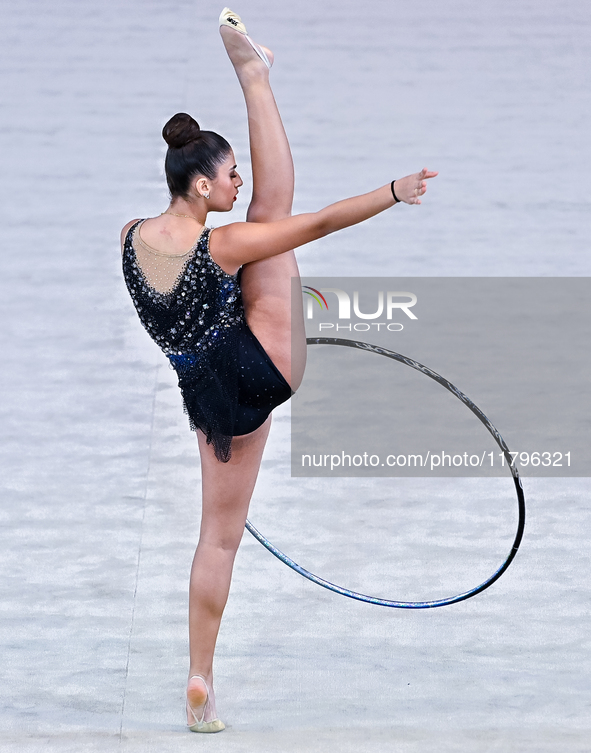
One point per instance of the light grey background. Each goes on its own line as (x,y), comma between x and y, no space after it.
(100,473)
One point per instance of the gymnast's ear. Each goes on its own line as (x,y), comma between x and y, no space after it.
(201,188)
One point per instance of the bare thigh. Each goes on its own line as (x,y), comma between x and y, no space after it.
(228,487)
(277,321)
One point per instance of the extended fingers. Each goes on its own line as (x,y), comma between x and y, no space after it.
(422,187)
(419,191)
(413,193)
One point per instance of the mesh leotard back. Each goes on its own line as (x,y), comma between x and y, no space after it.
(194,312)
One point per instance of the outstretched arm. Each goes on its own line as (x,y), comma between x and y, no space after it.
(233,245)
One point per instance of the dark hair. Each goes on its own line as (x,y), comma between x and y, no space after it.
(191,152)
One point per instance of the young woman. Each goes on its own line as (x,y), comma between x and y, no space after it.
(219,305)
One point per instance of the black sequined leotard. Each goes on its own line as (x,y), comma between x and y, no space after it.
(193,310)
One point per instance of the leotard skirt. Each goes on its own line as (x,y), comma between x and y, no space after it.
(260,387)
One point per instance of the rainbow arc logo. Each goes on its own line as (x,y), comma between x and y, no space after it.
(316,295)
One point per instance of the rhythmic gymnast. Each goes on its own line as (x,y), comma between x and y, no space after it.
(221,311)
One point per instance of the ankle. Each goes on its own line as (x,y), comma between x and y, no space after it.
(196,672)
(250,76)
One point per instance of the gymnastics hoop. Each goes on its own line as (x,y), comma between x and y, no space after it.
(498,439)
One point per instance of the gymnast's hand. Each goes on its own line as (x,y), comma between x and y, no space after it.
(410,189)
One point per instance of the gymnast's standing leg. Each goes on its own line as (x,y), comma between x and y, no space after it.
(266,287)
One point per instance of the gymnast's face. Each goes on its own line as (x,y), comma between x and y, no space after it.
(224,188)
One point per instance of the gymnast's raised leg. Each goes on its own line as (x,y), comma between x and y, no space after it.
(266,284)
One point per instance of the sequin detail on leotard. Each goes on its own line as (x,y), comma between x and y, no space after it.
(194,312)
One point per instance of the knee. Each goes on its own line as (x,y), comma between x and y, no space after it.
(262,211)
(223,544)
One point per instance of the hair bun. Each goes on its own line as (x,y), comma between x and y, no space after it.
(180,130)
